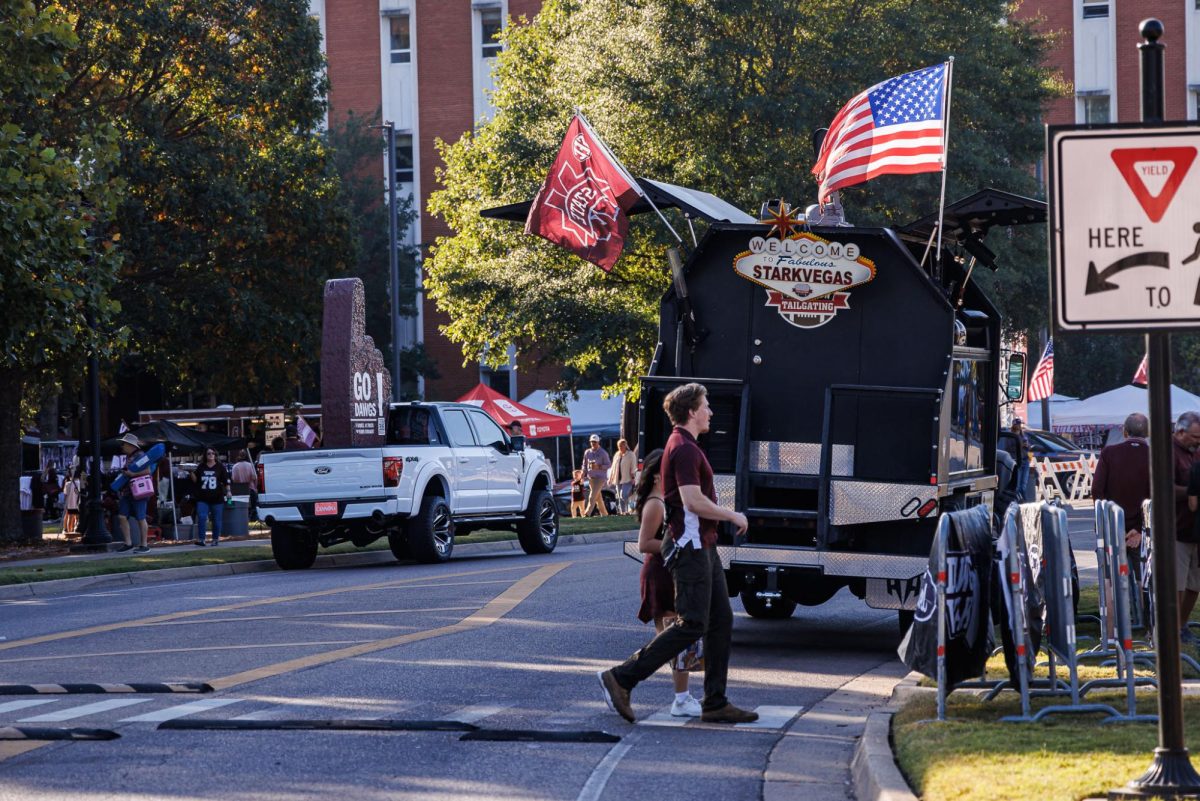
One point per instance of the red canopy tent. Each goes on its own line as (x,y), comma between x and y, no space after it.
(534,423)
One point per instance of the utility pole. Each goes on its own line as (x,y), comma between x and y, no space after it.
(393,257)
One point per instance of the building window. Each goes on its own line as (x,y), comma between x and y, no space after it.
(1096,109)
(491,23)
(401,39)
(1095,10)
(404,159)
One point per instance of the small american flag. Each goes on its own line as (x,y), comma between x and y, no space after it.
(1041,385)
(1141,378)
(305,432)
(897,126)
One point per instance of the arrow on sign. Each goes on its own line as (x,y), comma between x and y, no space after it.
(1098,281)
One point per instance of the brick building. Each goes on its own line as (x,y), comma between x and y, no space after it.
(426,65)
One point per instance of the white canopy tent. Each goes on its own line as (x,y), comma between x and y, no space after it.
(1033,409)
(1109,409)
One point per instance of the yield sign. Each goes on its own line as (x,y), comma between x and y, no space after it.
(1154,174)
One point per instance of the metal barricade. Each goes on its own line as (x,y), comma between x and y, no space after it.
(1015,558)
(1148,657)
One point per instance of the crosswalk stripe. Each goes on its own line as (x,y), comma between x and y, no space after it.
(181,710)
(475,713)
(771,717)
(13,706)
(85,710)
(664,718)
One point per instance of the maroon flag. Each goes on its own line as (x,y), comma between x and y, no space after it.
(582,205)
(1141,378)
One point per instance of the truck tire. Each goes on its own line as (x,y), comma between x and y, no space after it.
(431,531)
(538,530)
(398,542)
(780,608)
(293,547)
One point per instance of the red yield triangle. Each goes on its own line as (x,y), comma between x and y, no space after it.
(1127,161)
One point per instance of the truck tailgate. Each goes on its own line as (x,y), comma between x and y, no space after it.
(320,475)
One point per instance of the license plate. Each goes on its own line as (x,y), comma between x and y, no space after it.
(325,508)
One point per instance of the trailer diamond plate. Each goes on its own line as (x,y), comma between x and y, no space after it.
(803,458)
(855,502)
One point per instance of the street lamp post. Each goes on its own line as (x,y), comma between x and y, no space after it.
(97,533)
(393,258)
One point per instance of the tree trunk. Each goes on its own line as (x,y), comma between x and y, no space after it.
(47,415)
(11,387)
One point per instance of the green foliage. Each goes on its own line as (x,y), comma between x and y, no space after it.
(721,95)
(233,216)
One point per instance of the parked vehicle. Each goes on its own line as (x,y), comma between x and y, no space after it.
(447,469)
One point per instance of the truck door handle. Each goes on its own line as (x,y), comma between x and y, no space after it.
(464,459)
(491,460)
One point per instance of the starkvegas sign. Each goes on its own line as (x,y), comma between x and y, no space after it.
(808,279)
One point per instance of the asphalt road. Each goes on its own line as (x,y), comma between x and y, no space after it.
(506,642)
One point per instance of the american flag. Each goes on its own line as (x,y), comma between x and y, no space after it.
(1141,378)
(897,126)
(1041,385)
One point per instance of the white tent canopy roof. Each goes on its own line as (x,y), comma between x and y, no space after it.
(1033,409)
(590,414)
(1112,407)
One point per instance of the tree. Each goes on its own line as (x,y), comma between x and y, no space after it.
(55,258)
(721,95)
(233,216)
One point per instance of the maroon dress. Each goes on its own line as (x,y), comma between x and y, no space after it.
(658,588)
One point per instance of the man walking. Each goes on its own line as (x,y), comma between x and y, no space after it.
(701,595)
(1187,552)
(596,464)
(1123,477)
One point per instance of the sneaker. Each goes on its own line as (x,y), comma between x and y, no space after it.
(729,714)
(199,543)
(142,549)
(616,696)
(688,708)
(215,543)
(125,548)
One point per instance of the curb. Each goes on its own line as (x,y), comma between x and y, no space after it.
(873,770)
(39,589)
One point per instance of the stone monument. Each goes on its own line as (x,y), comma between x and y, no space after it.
(356,388)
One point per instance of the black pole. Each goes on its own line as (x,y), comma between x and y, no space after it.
(97,531)
(393,258)
(1171,773)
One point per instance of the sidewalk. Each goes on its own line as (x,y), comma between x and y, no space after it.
(167,546)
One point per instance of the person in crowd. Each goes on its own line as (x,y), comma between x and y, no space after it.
(128,507)
(243,473)
(623,468)
(51,489)
(514,429)
(578,495)
(293,442)
(71,492)
(1123,477)
(701,595)
(596,464)
(277,445)
(1187,549)
(1017,447)
(212,490)
(658,588)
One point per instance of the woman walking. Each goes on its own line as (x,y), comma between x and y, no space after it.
(70,503)
(213,479)
(658,588)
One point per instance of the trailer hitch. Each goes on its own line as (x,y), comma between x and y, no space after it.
(771,593)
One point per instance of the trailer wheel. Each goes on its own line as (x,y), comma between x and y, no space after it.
(431,531)
(293,547)
(779,608)
(538,530)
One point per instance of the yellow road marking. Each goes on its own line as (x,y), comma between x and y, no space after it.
(494,610)
(129,624)
(12,748)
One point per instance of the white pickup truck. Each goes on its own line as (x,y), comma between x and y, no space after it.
(446,470)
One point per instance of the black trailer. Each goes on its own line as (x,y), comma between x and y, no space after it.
(855,383)
(856,390)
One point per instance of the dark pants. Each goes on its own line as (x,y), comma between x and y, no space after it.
(702,606)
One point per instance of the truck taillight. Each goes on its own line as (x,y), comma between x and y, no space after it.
(393,466)
(262,478)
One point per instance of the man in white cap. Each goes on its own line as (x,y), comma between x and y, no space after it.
(596,464)
(136,464)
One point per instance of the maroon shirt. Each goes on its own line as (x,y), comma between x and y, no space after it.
(684,464)
(1123,476)
(1184,518)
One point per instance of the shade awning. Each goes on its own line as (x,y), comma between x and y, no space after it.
(692,202)
(535,424)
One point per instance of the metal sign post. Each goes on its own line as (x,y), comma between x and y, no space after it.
(1171,773)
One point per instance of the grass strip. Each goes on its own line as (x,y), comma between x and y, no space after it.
(188,556)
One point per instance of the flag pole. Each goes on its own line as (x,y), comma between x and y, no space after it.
(945,158)
(628,177)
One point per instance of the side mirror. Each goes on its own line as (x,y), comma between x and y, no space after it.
(1014,377)
(516,444)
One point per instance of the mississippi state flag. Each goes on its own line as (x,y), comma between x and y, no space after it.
(582,205)
(1041,385)
(305,432)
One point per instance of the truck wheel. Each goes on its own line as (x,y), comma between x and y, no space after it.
(398,542)
(293,547)
(779,609)
(538,531)
(431,531)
